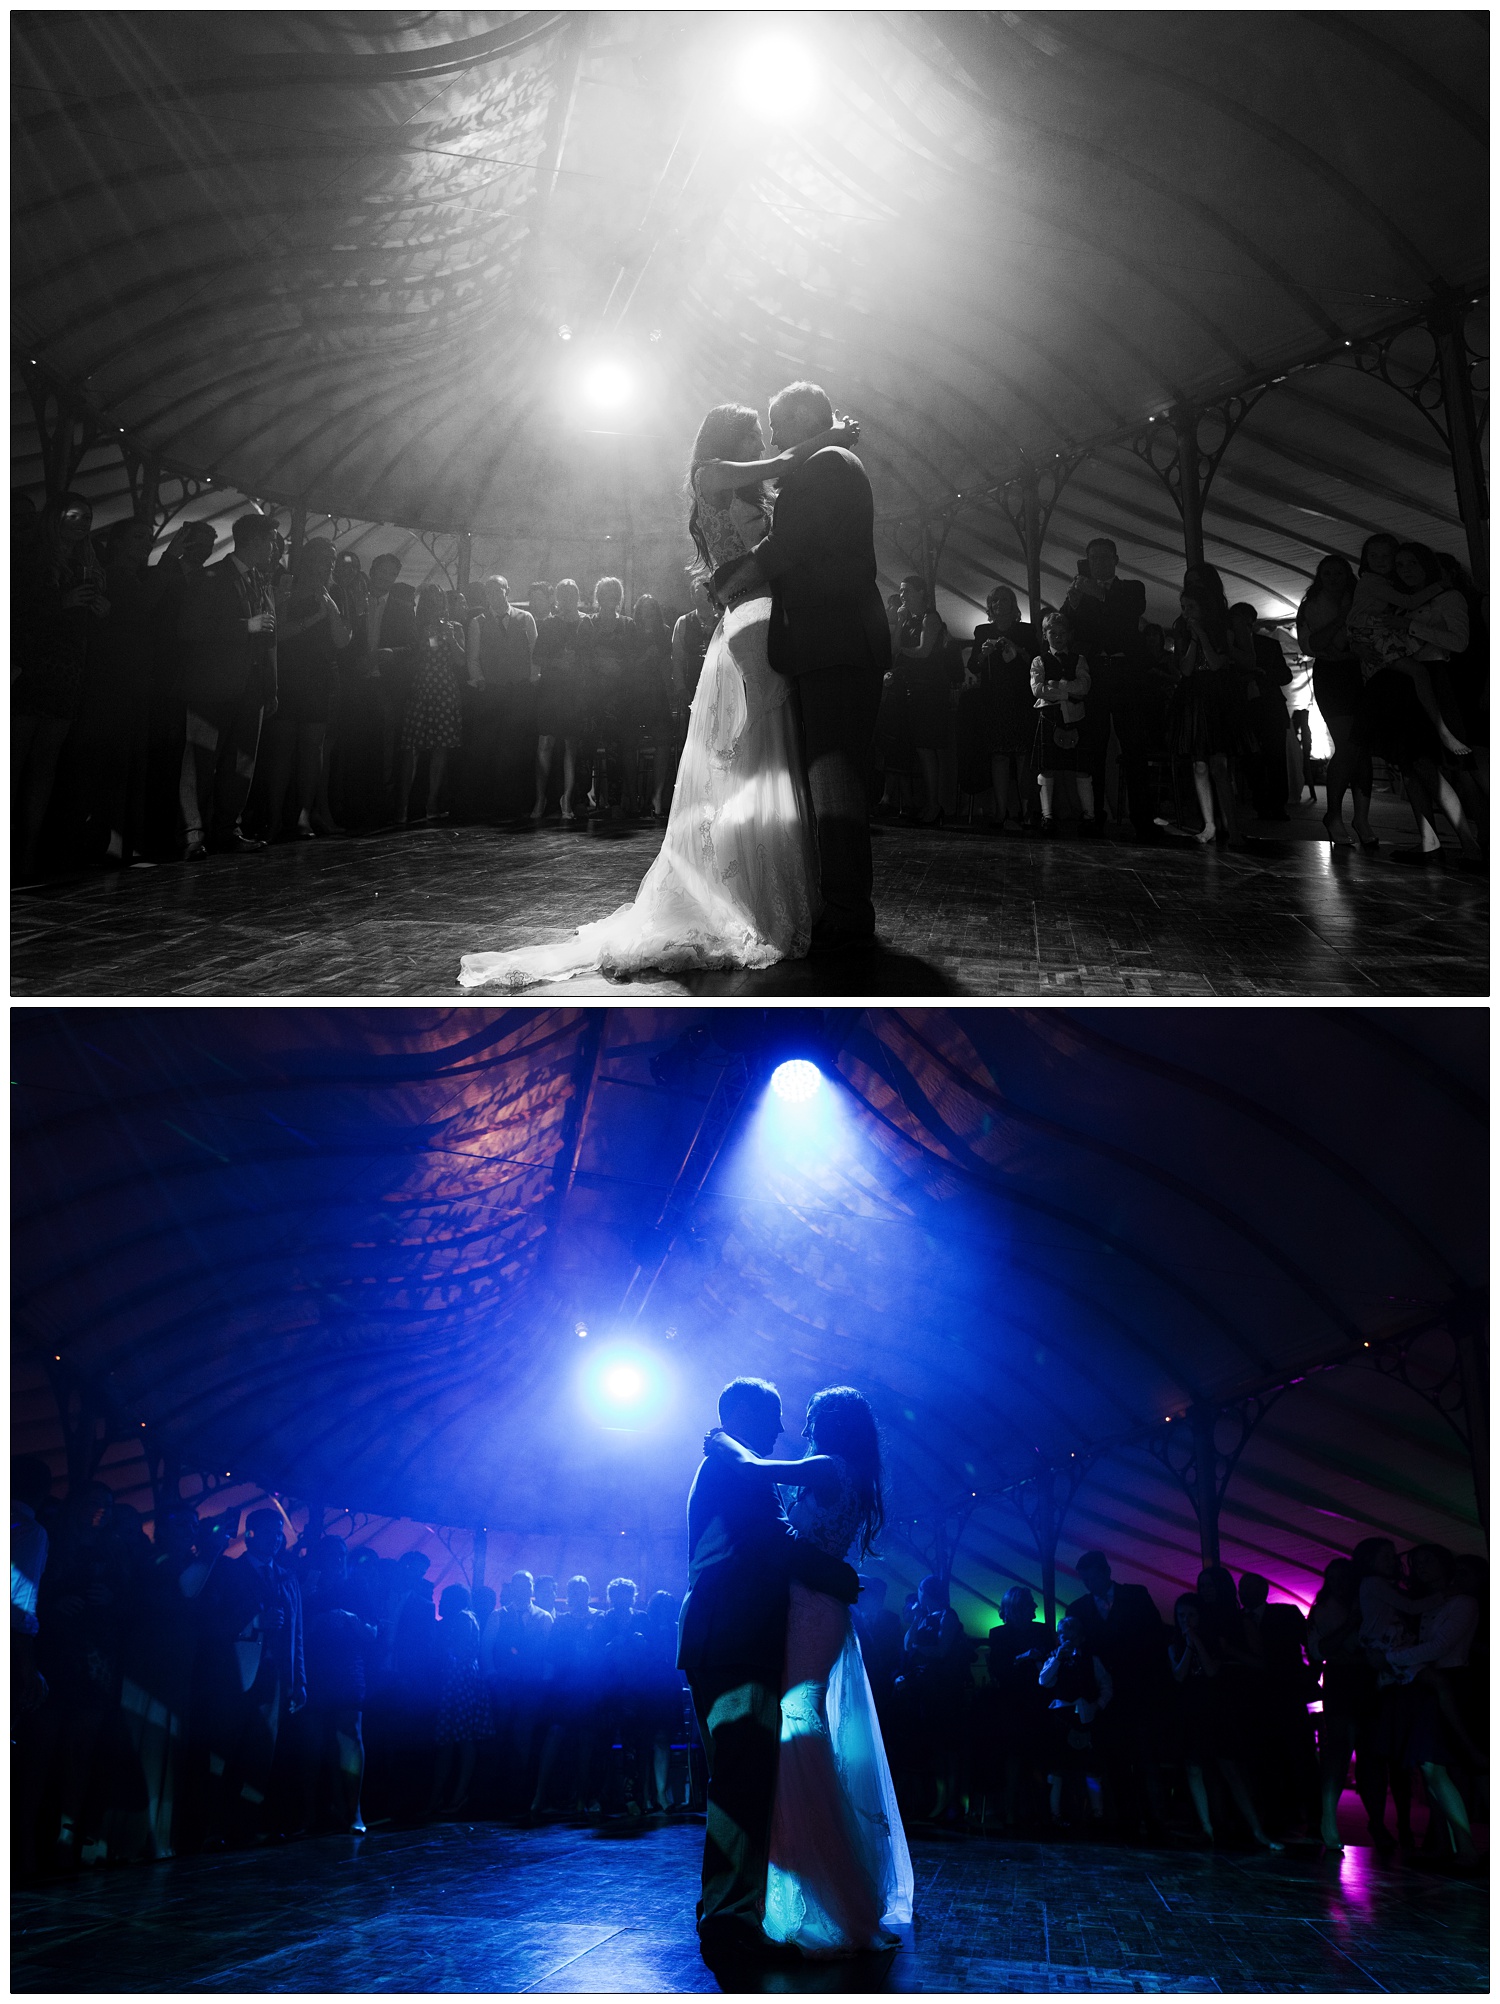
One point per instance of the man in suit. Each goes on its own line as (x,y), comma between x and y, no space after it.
(390,645)
(227,628)
(830,636)
(255,1603)
(731,1642)
(1109,614)
(1126,1632)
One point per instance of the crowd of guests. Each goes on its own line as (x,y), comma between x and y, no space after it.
(1208,720)
(169,1697)
(162,710)
(169,709)
(176,1693)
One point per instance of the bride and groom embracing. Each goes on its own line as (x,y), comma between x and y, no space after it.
(767,851)
(804,1852)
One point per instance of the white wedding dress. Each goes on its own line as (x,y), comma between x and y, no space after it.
(736,881)
(840,1875)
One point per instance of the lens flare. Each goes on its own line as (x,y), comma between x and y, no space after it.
(796,1080)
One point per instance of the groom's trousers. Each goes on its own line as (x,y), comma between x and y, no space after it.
(839,707)
(739,1723)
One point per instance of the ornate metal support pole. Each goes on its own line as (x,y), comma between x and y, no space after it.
(1190,505)
(465,560)
(1203,1421)
(299,534)
(477,1564)
(1028,501)
(1192,1454)
(1469,1326)
(1173,448)
(66,428)
(1031,544)
(1043,1501)
(1446,322)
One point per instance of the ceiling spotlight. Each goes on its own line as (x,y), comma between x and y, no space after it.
(580,1331)
(624,1389)
(796,1080)
(607,385)
(778,79)
(564,333)
(655,333)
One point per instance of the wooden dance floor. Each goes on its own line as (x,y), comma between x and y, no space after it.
(960,913)
(483,1908)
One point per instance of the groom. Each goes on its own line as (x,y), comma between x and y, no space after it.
(830,636)
(731,1641)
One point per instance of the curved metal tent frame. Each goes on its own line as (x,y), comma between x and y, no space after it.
(326,259)
(348,1254)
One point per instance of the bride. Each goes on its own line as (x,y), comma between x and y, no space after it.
(840,1874)
(735,883)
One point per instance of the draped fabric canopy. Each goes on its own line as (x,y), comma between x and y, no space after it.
(328,258)
(350,1254)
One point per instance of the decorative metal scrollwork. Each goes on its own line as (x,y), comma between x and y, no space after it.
(1408,360)
(1048,482)
(1187,1447)
(1159,443)
(1438,1379)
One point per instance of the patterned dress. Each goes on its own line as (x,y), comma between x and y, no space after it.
(434,718)
(463,1703)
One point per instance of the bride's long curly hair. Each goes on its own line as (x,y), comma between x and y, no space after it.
(720,433)
(839,1421)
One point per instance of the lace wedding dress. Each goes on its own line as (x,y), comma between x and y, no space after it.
(736,881)
(840,1874)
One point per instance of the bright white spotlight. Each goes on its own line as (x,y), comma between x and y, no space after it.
(796,1080)
(625,1388)
(607,386)
(778,79)
(623,1384)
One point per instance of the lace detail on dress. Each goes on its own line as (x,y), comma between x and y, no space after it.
(830,1526)
(732,530)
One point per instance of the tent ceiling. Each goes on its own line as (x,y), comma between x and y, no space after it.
(327,256)
(347,1251)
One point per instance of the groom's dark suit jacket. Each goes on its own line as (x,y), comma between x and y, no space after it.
(742,1556)
(826,609)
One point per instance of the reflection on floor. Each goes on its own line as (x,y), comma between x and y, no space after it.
(482,1907)
(960,913)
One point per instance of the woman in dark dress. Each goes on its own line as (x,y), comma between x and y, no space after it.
(1339,692)
(613,694)
(654,700)
(1204,718)
(57,600)
(463,1707)
(1060,684)
(434,711)
(1018,1649)
(310,633)
(922,689)
(1000,660)
(560,663)
(1208,1659)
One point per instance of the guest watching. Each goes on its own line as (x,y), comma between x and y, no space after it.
(433,722)
(1108,613)
(500,719)
(1060,684)
(1000,661)
(310,632)
(563,645)
(228,630)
